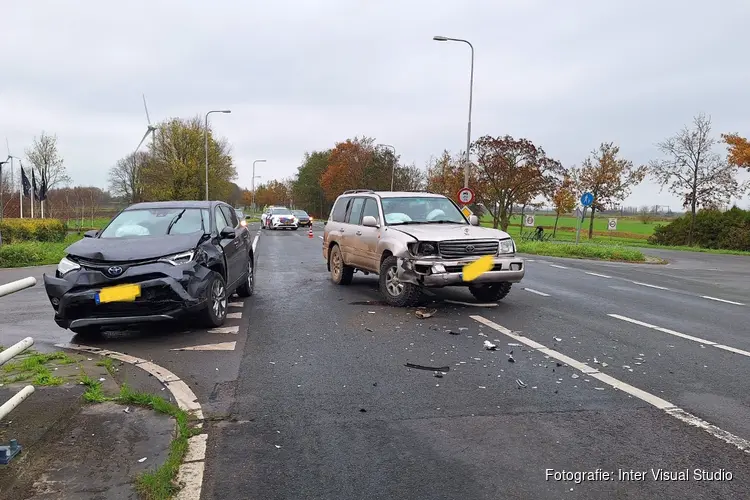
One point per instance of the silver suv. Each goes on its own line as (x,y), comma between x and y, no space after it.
(415,240)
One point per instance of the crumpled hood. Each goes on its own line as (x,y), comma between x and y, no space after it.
(442,232)
(135,248)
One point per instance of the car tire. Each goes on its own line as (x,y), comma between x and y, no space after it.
(341,274)
(248,287)
(395,292)
(87,332)
(490,293)
(215,312)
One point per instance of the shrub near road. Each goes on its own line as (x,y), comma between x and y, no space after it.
(15,230)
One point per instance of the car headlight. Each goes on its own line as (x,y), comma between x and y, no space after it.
(66,265)
(506,246)
(424,248)
(180,258)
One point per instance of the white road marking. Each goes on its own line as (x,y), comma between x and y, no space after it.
(651,286)
(225,329)
(190,474)
(597,274)
(530,260)
(220,346)
(255,241)
(236,304)
(663,330)
(733,349)
(722,300)
(662,404)
(536,292)
(196,448)
(472,304)
(234,315)
(557,266)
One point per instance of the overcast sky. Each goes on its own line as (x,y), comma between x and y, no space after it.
(302,75)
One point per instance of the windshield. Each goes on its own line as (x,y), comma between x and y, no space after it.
(300,212)
(421,210)
(281,211)
(157,222)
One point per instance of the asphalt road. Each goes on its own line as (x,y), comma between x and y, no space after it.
(313,399)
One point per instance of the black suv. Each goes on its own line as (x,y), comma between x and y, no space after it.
(154,262)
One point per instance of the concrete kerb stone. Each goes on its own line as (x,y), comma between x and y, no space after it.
(190,474)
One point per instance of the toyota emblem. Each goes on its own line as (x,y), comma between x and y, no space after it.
(114,271)
(469,248)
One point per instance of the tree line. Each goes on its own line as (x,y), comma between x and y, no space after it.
(509,174)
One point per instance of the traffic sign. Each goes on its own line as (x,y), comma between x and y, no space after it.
(465,196)
(467,212)
(587,199)
(612,225)
(528,220)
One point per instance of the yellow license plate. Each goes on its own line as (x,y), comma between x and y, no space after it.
(120,293)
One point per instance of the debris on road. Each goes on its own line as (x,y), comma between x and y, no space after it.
(428,368)
(370,312)
(127,410)
(557,339)
(423,313)
(510,358)
(489,345)
(452,332)
(575,375)
(141,460)
(520,383)
(369,329)
(513,344)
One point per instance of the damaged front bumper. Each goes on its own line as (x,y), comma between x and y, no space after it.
(166,292)
(438,273)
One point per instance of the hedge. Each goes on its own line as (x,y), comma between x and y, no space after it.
(714,229)
(15,230)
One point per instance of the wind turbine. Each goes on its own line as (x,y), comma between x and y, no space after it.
(150,130)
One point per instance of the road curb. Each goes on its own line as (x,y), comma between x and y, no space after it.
(193,464)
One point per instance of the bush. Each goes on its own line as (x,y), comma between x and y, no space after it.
(582,251)
(714,229)
(49,230)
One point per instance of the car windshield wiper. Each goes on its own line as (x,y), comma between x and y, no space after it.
(174,220)
(442,221)
(404,222)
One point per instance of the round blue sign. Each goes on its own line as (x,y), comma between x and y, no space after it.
(587,199)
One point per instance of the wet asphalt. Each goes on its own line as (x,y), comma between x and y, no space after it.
(314,399)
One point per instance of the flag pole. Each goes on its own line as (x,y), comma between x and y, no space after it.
(20,190)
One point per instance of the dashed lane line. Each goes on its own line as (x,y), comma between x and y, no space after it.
(236,304)
(536,292)
(662,404)
(220,346)
(650,286)
(225,329)
(558,266)
(722,300)
(682,335)
(234,315)
(599,275)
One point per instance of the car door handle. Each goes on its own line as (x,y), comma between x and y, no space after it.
(359,233)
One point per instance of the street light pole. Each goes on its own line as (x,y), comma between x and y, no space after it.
(252,182)
(471,96)
(205,134)
(393,169)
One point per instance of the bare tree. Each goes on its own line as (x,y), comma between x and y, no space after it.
(694,171)
(46,160)
(645,214)
(125,177)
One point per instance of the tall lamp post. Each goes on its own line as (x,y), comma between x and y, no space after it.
(471,92)
(393,170)
(205,133)
(252,182)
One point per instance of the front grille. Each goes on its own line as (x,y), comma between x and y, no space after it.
(153,300)
(454,249)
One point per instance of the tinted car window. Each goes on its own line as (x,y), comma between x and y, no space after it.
(230,216)
(221,220)
(156,222)
(355,213)
(281,211)
(338,214)
(371,208)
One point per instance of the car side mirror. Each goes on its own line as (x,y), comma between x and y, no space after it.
(369,221)
(228,233)
(474,220)
(93,233)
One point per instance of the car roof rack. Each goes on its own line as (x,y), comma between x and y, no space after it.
(351,191)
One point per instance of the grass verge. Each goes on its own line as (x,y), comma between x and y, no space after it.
(34,253)
(581,251)
(158,484)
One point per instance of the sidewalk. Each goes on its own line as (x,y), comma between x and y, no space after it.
(74,448)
